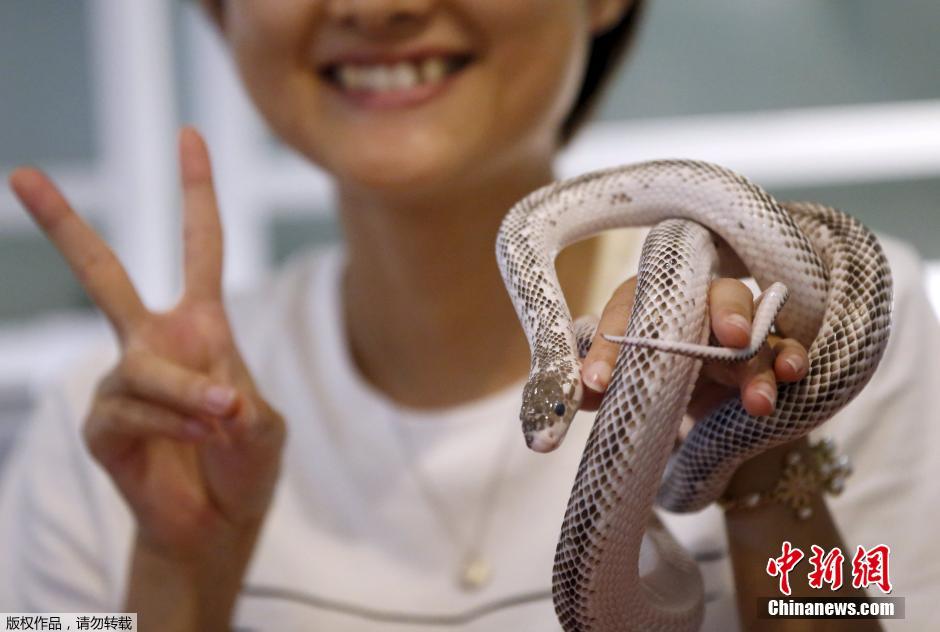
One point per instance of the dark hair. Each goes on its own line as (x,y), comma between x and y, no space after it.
(607,53)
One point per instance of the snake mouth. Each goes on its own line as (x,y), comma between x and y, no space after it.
(547,439)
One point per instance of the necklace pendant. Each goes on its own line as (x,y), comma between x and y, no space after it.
(474,573)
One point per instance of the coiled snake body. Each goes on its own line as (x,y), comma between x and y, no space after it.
(616,567)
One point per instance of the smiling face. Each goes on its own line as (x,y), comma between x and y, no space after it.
(395,94)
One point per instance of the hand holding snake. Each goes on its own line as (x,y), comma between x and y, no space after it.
(616,567)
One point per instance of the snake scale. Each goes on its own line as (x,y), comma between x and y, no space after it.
(616,567)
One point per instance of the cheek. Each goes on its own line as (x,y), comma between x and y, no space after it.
(540,59)
(268,41)
(265,37)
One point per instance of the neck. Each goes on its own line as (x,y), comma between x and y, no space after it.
(428,318)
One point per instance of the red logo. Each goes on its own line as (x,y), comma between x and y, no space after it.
(826,569)
(869,567)
(781,566)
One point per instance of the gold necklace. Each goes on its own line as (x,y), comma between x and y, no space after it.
(474,570)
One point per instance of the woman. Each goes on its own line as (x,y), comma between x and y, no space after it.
(336,450)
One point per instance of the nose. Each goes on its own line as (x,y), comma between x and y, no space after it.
(379,15)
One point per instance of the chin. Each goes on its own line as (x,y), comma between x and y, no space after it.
(402,170)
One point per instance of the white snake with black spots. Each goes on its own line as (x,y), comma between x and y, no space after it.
(616,568)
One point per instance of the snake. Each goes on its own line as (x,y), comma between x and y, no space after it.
(826,282)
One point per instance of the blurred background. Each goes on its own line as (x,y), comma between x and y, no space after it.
(834,101)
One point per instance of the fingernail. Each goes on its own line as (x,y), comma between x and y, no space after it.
(767,392)
(795,363)
(739,322)
(597,376)
(195,429)
(219,398)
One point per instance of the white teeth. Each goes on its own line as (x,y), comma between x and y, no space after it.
(400,76)
(376,78)
(433,69)
(403,76)
(351,77)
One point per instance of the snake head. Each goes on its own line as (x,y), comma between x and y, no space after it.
(549,402)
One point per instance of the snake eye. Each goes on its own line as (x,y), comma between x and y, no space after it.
(559,409)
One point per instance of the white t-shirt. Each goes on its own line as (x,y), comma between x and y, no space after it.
(376,501)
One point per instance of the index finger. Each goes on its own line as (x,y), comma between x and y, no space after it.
(94,264)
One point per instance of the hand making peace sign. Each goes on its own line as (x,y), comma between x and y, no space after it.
(177,423)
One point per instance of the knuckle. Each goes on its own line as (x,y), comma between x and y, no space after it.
(130,367)
(190,389)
